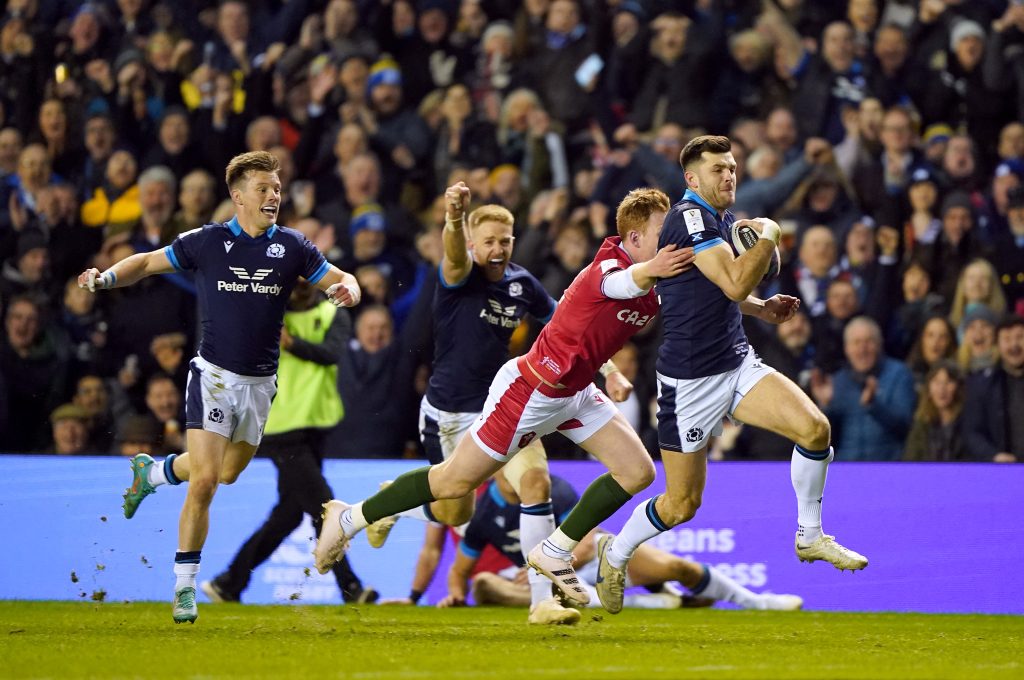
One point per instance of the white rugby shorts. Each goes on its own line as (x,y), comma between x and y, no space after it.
(520,408)
(440,431)
(231,405)
(690,411)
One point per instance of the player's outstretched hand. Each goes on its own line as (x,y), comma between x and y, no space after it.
(670,261)
(779,308)
(451,601)
(618,386)
(94,280)
(343,295)
(456,199)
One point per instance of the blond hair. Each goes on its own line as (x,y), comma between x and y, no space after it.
(636,209)
(490,213)
(242,165)
(995,301)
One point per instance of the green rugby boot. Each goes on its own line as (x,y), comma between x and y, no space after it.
(140,488)
(185,610)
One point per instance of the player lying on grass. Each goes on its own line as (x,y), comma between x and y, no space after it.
(551,389)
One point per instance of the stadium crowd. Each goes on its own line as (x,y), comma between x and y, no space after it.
(885,137)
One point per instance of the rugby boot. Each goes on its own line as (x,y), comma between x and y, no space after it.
(561,574)
(826,549)
(140,488)
(332,542)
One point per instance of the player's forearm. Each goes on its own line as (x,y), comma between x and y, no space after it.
(129,270)
(748,269)
(752,306)
(454,238)
(627,284)
(458,583)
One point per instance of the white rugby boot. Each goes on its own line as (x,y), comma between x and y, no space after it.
(826,549)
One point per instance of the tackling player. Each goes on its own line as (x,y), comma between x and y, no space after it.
(245,271)
(707,370)
(550,389)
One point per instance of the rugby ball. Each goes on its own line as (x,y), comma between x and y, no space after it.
(744,237)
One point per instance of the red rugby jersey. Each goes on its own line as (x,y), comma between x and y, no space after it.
(588,327)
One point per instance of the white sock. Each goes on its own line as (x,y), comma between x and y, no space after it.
(533,529)
(185,575)
(157,476)
(649,601)
(558,545)
(352,520)
(720,587)
(639,527)
(416,513)
(808,476)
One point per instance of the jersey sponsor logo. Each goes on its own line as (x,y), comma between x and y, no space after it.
(275,250)
(608,265)
(253,285)
(694,221)
(694,434)
(550,364)
(633,317)
(515,289)
(228,245)
(502,316)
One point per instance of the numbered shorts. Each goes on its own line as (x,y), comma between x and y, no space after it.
(232,405)
(520,408)
(440,431)
(690,411)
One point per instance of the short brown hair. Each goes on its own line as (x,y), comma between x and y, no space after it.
(490,213)
(253,161)
(698,145)
(636,209)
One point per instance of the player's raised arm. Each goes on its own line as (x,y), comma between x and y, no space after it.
(737,277)
(456,264)
(341,287)
(127,271)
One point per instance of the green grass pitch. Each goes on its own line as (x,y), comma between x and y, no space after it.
(72,640)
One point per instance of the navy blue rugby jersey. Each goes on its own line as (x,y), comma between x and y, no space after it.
(243,284)
(702,329)
(496,521)
(473,323)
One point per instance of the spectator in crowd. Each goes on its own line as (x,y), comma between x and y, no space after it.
(27,273)
(978,285)
(748,86)
(197,197)
(100,138)
(1008,254)
(918,305)
(20,199)
(935,434)
(70,431)
(374,378)
(138,434)
(923,225)
(881,180)
(92,397)
(155,228)
(977,333)
(993,428)
(463,137)
(936,343)
(164,403)
(816,266)
(114,206)
(33,362)
(841,305)
(954,247)
(871,402)
(84,325)
(175,149)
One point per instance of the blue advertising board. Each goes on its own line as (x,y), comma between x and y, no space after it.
(940,537)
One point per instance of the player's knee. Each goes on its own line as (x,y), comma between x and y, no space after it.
(202,487)
(534,487)
(817,434)
(638,477)
(681,509)
(453,516)
(229,476)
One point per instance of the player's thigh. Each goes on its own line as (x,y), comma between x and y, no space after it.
(467,468)
(775,403)
(528,474)
(619,448)
(236,459)
(206,453)
(650,566)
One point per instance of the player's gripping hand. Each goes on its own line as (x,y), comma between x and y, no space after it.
(779,308)
(670,261)
(343,295)
(618,386)
(95,280)
(766,228)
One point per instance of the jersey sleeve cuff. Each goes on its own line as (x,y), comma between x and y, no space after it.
(440,277)
(707,244)
(467,551)
(172,258)
(319,273)
(554,306)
